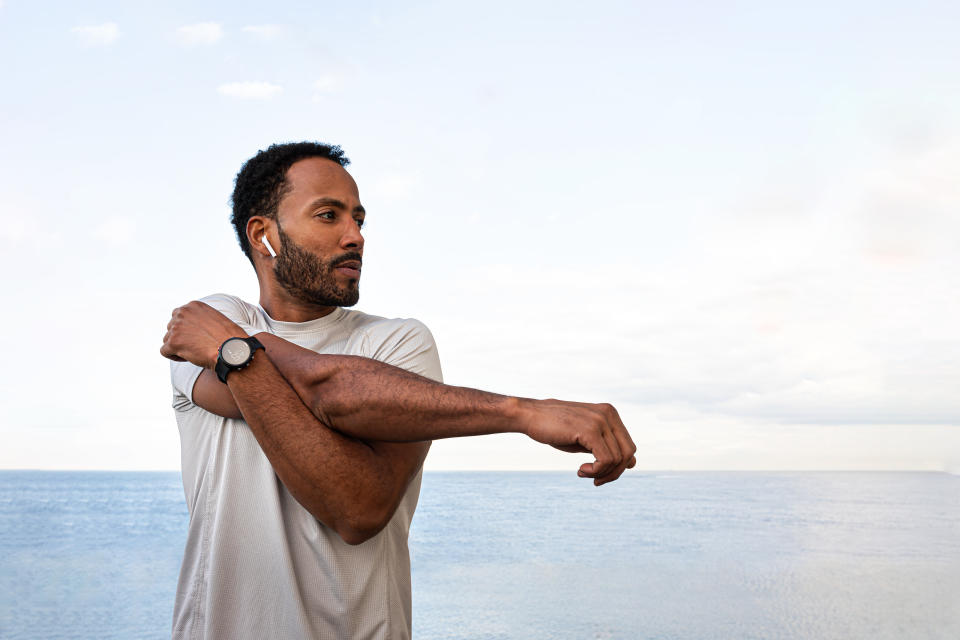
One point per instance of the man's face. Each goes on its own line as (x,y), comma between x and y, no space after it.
(321,248)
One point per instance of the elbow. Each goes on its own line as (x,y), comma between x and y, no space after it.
(354,523)
(353,529)
(360,527)
(353,537)
(364,519)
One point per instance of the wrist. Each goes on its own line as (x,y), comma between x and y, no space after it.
(213,353)
(518,412)
(212,356)
(217,343)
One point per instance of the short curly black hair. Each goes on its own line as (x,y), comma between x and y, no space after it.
(261,182)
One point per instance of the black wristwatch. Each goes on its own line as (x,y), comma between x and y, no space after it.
(235,353)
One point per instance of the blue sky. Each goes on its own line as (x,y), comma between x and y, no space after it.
(738,222)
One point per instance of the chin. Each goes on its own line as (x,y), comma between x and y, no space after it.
(350,298)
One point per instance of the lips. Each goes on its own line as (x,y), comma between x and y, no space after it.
(349,268)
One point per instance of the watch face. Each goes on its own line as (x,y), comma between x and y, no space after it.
(235,351)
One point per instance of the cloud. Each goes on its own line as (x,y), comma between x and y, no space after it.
(265,32)
(201,33)
(97,34)
(250,90)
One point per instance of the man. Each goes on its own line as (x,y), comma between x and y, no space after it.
(302,461)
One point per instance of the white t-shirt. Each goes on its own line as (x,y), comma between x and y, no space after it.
(256,563)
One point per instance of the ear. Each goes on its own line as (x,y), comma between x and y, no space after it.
(258,228)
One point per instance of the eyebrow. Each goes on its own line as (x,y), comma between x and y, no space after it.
(333,202)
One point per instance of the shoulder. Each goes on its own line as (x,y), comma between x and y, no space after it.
(238,310)
(379,330)
(403,342)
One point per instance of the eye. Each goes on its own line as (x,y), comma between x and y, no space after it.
(329,215)
(359,222)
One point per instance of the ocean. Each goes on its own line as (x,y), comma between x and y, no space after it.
(697,555)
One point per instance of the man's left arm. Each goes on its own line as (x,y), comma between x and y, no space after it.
(349,485)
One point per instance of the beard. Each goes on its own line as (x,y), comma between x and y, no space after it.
(311,279)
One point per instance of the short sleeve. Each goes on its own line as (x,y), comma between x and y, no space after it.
(183,375)
(407,344)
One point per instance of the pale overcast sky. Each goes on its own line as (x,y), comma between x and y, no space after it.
(739,222)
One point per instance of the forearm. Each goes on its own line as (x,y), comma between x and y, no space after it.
(372,400)
(351,486)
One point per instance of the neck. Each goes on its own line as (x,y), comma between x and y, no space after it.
(280,305)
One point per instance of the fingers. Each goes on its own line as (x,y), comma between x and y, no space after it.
(167,352)
(599,446)
(625,442)
(618,441)
(612,475)
(615,468)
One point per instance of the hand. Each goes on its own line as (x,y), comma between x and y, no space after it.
(578,427)
(195,332)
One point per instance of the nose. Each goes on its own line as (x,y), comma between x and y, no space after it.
(352,238)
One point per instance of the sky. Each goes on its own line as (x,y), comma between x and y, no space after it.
(738,222)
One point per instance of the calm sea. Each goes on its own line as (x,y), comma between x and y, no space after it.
(539,555)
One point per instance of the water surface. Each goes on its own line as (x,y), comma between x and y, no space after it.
(538,555)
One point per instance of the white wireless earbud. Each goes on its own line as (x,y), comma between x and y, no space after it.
(266,241)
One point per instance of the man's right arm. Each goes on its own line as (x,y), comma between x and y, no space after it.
(375,401)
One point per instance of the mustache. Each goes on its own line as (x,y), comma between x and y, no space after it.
(352,256)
